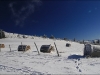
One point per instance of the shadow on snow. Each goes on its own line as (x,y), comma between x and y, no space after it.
(75,56)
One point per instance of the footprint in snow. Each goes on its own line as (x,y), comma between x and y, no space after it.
(78,59)
(77,67)
(75,61)
(78,64)
(80,70)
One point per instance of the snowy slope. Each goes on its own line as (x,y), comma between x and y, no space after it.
(71,60)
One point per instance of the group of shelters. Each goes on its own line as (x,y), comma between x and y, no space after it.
(43,48)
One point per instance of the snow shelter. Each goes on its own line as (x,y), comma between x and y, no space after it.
(2,46)
(68,45)
(46,48)
(92,50)
(23,47)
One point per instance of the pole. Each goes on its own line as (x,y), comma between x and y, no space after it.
(56,49)
(0,47)
(37,48)
(21,43)
(10,48)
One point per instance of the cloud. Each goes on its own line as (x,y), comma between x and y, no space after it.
(22,9)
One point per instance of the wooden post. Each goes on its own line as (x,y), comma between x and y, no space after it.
(21,43)
(56,49)
(0,48)
(37,48)
(10,48)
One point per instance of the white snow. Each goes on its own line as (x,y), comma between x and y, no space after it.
(71,60)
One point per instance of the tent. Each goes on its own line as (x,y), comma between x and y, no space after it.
(2,46)
(92,50)
(46,48)
(23,47)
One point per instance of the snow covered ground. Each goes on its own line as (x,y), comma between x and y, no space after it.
(71,60)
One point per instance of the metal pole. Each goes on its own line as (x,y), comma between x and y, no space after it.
(37,48)
(56,49)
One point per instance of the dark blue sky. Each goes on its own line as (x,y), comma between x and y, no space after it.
(70,19)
